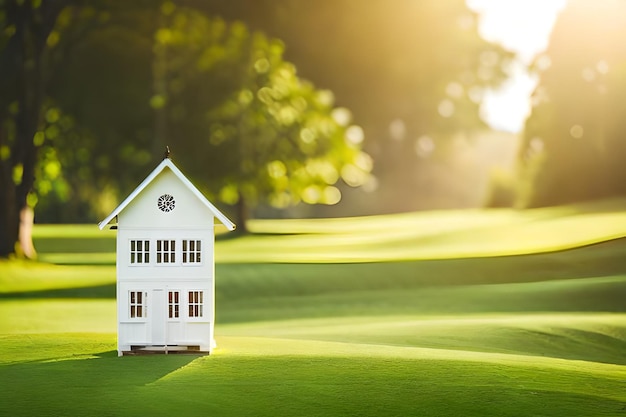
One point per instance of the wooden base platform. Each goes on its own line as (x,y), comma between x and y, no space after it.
(166,350)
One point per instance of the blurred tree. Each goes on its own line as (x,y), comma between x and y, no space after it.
(27,35)
(103,95)
(574,143)
(232,102)
(412,72)
(36,39)
(245,124)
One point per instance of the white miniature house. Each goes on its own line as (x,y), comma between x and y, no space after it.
(165,264)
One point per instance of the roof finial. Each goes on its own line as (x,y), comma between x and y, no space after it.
(167,153)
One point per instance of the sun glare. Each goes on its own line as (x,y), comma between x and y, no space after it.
(524,27)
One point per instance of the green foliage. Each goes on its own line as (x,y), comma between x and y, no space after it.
(110,119)
(573,147)
(403,88)
(100,88)
(231,108)
(246,124)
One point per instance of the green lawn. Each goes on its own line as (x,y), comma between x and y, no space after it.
(468,313)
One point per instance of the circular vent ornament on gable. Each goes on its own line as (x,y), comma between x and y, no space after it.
(166,203)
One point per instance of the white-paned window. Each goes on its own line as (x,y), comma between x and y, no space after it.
(139,251)
(173,300)
(165,251)
(192,251)
(196,303)
(137,304)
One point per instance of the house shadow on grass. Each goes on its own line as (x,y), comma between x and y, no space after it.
(87,384)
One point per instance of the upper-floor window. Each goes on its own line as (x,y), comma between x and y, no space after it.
(196,303)
(137,304)
(192,251)
(165,251)
(139,251)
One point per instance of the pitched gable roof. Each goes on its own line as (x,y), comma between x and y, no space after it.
(167,163)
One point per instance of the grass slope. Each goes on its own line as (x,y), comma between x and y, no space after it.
(263,377)
(434,235)
(390,238)
(462,333)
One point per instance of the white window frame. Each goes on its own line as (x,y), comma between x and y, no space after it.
(195,304)
(192,252)
(139,252)
(165,249)
(137,305)
(174,304)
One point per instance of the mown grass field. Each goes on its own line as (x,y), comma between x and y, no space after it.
(454,313)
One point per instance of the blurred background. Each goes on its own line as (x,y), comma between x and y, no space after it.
(292,108)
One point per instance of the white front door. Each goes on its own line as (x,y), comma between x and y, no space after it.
(174,314)
(159,317)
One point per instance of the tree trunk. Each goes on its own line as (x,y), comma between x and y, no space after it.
(9,225)
(30,96)
(25,234)
(241,216)
(23,84)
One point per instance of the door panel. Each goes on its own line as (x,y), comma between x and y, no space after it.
(174,315)
(158,317)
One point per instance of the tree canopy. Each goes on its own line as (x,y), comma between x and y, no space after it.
(95,89)
(245,124)
(412,72)
(574,139)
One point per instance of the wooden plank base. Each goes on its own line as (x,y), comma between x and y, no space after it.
(164,350)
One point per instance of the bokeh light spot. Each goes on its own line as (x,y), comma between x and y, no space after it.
(261,66)
(307,135)
(588,74)
(602,67)
(355,135)
(331,195)
(311,194)
(397,129)
(455,90)
(476,94)
(577,131)
(342,116)
(446,108)
(424,146)
(276,169)
(536,145)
